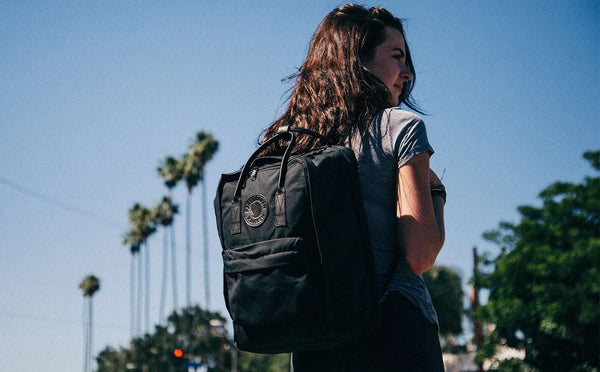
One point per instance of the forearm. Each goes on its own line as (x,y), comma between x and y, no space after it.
(422,236)
(420,214)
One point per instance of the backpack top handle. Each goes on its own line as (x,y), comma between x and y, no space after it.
(236,203)
(289,128)
(280,215)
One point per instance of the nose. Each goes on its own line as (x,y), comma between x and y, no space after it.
(405,74)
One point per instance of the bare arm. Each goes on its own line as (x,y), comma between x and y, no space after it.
(420,217)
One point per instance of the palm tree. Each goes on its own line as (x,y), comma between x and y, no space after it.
(90,285)
(163,215)
(134,243)
(199,153)
(142,227)
(171,170)
(133,240)
(191,176)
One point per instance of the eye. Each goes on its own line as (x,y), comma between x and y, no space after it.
(398,56)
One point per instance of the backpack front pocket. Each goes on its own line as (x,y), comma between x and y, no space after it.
(268,283)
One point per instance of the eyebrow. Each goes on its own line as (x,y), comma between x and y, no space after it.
(398,50)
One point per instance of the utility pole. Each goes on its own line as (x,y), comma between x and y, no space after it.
(475,301)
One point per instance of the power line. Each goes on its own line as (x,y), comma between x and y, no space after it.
(59,203)
(26,317)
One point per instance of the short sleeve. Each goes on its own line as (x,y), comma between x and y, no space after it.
(411,140)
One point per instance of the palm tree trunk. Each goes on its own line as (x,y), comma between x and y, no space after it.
(205,241)
(147,294)
(188,250)
(173,267)
(165,272)
(85,335)
(132,296)
(140,294)
(173,259)
(90,334)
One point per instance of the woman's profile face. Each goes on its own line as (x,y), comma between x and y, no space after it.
(388,63)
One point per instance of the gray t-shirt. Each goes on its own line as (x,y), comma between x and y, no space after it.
(394,137)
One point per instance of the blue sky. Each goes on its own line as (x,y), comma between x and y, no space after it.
(94,95)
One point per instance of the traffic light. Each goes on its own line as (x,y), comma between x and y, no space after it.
(178,353)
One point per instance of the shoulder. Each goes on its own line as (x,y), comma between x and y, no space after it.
(396,118)
(397,122)
(398,115)
(405,133)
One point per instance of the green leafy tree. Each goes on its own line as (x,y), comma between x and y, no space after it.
(112,360)
(250,362)
(445,287)
(544,286)
(90,285)
(199,334)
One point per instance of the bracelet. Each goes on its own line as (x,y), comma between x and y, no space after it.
(438,190)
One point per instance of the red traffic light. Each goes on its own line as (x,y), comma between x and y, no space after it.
(178,353)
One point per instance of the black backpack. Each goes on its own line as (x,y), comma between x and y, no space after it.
(298,266)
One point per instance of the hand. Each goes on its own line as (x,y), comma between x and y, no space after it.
(433,178)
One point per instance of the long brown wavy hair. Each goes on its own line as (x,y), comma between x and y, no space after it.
(334,93)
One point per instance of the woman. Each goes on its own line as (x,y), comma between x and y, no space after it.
(357,73)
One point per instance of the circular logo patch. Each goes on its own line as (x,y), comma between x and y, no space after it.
(256,210)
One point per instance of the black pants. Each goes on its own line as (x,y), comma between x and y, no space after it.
(405,341)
